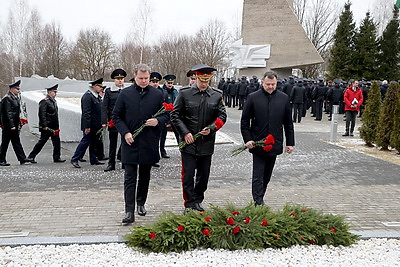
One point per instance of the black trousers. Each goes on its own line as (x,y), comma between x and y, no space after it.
(297,111)
(44,136)
(262,172)
(319,105)
(131,193)
(350,120)
(88,140)
(163,137)
(193,190)
(13,137)
(242,98)
(112,151)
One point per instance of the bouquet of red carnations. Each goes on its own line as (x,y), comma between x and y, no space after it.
(265,143)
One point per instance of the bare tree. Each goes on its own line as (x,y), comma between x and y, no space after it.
(92,54)
(141,26)
(130,54)
(33,43)
(319,20)
(210,44)
(382,13)
(173,56)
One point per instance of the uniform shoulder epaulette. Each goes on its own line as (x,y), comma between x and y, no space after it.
(217,90)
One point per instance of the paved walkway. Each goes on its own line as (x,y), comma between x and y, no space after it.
(57,203)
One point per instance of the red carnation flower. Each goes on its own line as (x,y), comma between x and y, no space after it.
(111,124)
(201,213)
(264,223)
(333,230)
(168,107)
(56,132)
(152,235)
(301,238)
(236,230)
(267,148)
(247,220)
(206,232)
(218,123)
(24,121)
(208,219)
(230,221)
(269,140)
(181,228)
(312,241)
(276,236)
(235,213)
(293,214)
(303,210)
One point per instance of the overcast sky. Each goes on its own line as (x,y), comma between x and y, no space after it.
(114,16)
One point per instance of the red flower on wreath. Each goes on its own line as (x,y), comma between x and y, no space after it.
(276,236)
(206,232)
(303,210)
(247,220)
(208,219)
(333,230)
(312,241)
(293,214)
(181,228)
(152,235)
(230,221)
(111,124)
(236,230)
(264,223)
(235,213)
(201,213)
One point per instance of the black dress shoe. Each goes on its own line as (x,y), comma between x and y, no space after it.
(31,160)
(103,158)
(110,167)
(3,163)
(75,164)
(82,160)
(129,217)
(351,134)
(346,134)
(97,163)
(141,210)
(198,206)
(59,160)
(165,156)
(156,165)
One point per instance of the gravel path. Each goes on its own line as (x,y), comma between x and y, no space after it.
(371,252)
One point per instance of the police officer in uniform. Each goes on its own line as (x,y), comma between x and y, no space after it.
(90,124)
(11,124)
(196,108)
(109,99)
(48,126)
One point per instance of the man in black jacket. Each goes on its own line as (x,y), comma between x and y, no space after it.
(264,114)
(297,99)
(196,108)
(90,124)
(11,124)
(49,126)
(109,99)
(136,104)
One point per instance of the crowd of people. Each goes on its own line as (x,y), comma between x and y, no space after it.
(138,114)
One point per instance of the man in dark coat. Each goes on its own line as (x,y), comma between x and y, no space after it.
(90,124)
(49,126)
(11,124)
(196,108)
(319,95)
(264,114)
(297,99)
(109,99)
(242,86)
(137,104)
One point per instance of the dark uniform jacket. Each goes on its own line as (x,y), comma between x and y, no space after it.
(91,111)
(48,114)
(195,110)
(298,95)
(264,114)
(134,106)
(10,110)
(335,94)
(109,100)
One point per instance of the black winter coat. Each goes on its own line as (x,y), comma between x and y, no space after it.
(264,114)
(48,114)
(91,112)
(298,95)
(195,110)
(134,106)
(10,110)
(109,100)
